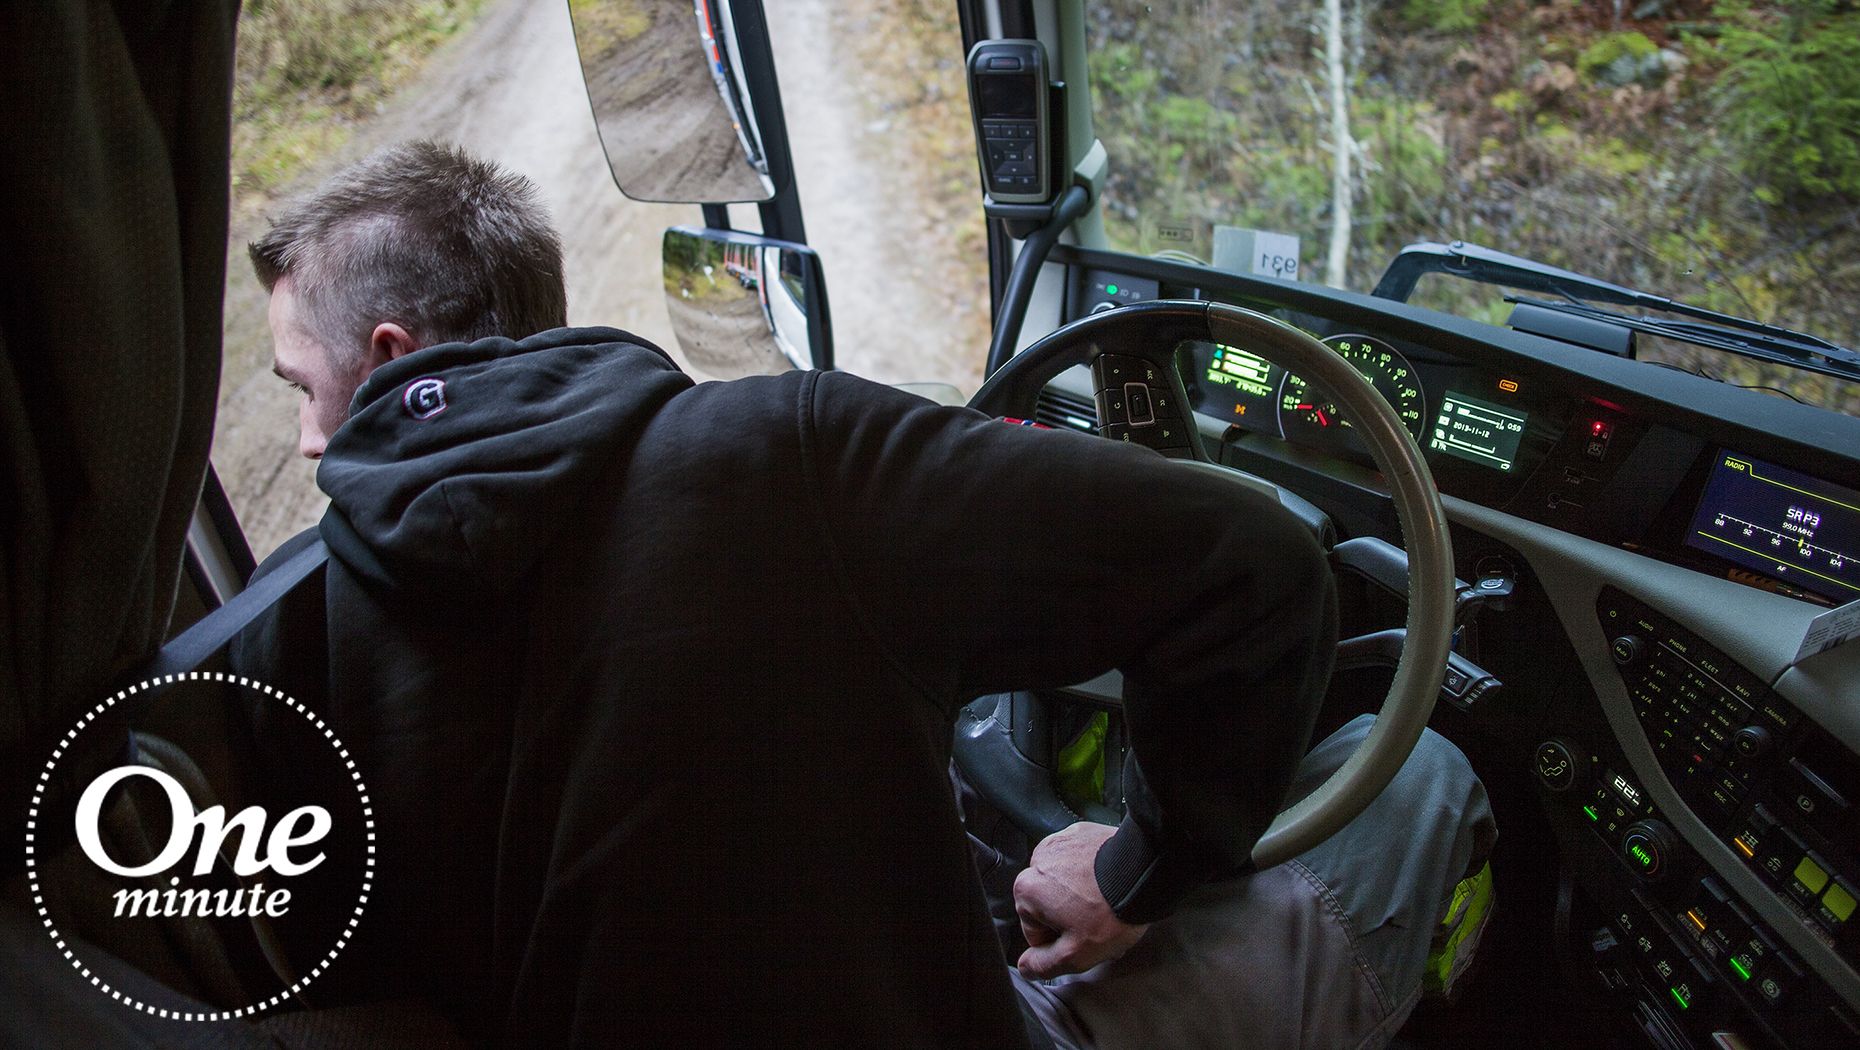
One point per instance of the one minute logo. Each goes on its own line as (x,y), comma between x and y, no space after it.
(244,864)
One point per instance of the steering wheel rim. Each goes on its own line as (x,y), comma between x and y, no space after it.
(1150,332)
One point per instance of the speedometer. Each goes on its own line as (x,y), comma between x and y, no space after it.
(1309,418)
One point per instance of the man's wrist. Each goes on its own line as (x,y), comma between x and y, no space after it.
(1143,884)
(1124,866)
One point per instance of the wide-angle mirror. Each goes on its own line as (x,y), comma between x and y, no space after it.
(742,304)
(666,81)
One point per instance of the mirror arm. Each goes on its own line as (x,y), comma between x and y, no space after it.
(1071,204)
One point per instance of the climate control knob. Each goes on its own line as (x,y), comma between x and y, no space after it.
(1648,846)
(1557,764)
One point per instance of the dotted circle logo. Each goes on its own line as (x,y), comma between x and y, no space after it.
(342,939)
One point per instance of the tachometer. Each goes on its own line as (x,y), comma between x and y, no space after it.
(1308,418)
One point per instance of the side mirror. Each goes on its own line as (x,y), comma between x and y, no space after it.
(743,304)
(670,98)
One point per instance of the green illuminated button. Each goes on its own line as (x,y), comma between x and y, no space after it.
(1837,905)
(1811,875)
(1741,963)
(1682,995)
(1110,289)
(1590,810)
(1644,846)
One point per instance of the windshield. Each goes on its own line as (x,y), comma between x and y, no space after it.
(1701,151)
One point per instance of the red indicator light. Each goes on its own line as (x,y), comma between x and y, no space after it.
(1509,386)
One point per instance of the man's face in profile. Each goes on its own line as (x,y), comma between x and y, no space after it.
(325,378)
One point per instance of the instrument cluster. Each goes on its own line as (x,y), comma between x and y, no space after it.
(1480,431)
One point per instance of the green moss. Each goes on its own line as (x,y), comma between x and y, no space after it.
(1510,101)
(1608,49)
(1446,16)
(1616,157)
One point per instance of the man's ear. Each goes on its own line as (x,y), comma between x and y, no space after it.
(389,342)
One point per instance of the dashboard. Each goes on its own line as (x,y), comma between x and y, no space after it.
(1671,540)
(1569,457)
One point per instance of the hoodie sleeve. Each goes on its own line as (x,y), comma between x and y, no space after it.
(984,557)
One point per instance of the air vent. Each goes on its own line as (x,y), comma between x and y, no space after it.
(1056,408)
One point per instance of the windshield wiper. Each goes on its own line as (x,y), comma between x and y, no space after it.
(1579,293)
(1749,338)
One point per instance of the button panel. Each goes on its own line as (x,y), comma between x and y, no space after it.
(1693,952)
(1732,748)
(1137,403)
(1013,160)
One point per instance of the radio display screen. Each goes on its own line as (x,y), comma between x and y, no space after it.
(1781,523)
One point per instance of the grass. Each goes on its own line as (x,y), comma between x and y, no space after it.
(918,44)
(307,70)
(602,24)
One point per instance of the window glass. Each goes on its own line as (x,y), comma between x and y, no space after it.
(1704,151)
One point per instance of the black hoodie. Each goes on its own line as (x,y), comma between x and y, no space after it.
(654,683)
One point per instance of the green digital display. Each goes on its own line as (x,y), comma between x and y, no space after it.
(1237,368)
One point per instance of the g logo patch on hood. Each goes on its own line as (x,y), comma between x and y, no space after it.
(424,398)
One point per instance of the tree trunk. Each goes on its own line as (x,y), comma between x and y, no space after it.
(1343,147)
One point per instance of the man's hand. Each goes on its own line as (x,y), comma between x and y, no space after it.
(1063,916)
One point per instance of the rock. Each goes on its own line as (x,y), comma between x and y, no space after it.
(1646,70)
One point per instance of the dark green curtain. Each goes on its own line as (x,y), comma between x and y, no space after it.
(113,195)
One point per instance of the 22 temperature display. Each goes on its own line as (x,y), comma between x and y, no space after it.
(1782,523)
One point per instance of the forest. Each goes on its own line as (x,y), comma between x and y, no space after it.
(1706,150)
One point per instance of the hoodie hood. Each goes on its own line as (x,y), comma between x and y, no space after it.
(460,463)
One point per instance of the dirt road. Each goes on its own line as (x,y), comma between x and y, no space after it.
(510,89)
(905,307)
(728,334)
(653,96)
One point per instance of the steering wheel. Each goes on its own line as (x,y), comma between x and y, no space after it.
(1141,399)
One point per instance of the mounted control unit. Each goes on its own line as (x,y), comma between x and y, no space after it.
(1008,98)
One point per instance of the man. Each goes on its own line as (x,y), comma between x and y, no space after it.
(655,682)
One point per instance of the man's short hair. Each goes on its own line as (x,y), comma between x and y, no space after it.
(447,246)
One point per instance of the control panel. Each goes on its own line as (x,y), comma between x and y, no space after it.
(1770,783)
(1142,403)
(1671,937)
